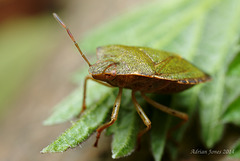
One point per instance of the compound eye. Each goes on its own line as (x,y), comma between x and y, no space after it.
(113,72)
(111,75)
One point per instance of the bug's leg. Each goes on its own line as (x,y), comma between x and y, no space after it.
(144,118)
(113,116)
(84,94)
(85,91)
(170,111)
(163,108)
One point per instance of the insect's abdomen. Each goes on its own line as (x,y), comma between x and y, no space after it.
(148,85)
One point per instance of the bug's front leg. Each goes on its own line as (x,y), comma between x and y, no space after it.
(85,91)
(113,116)
(144,118)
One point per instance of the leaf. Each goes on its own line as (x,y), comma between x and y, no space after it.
(235,151)
(83,128)
(234,67)
(232,114)
(158,133)
(232,103)
(125,130)
(216,38)
(137,29)
(129,27)
(232,91)
(68,108)
(125,135)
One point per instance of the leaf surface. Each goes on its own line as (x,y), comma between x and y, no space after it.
(236,150)
(84,127)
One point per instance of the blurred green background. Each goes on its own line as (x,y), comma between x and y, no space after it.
(37,61)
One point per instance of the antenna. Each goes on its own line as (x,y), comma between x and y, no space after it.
(71,36)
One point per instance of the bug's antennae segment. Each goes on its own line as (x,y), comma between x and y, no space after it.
(59,20)
(71,36)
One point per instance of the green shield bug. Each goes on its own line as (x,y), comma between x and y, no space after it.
(140,69)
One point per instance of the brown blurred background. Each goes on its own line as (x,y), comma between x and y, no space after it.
(37,60)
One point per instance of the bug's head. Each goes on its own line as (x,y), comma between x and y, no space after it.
(104,70)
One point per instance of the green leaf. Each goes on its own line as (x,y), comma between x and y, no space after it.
(232,90)
(235,151)
(68,108)
(84,127)
(125,130)
(217,39)
(158,133)
(125,135)
(234,67)
(232,93)
(128,28)
(136,28)
(232,114)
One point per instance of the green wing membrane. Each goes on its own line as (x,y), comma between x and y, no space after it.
(151,62)
(173,67)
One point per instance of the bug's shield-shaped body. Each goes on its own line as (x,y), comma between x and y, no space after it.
(145,69)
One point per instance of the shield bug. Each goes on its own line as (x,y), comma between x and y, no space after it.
(140,69)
